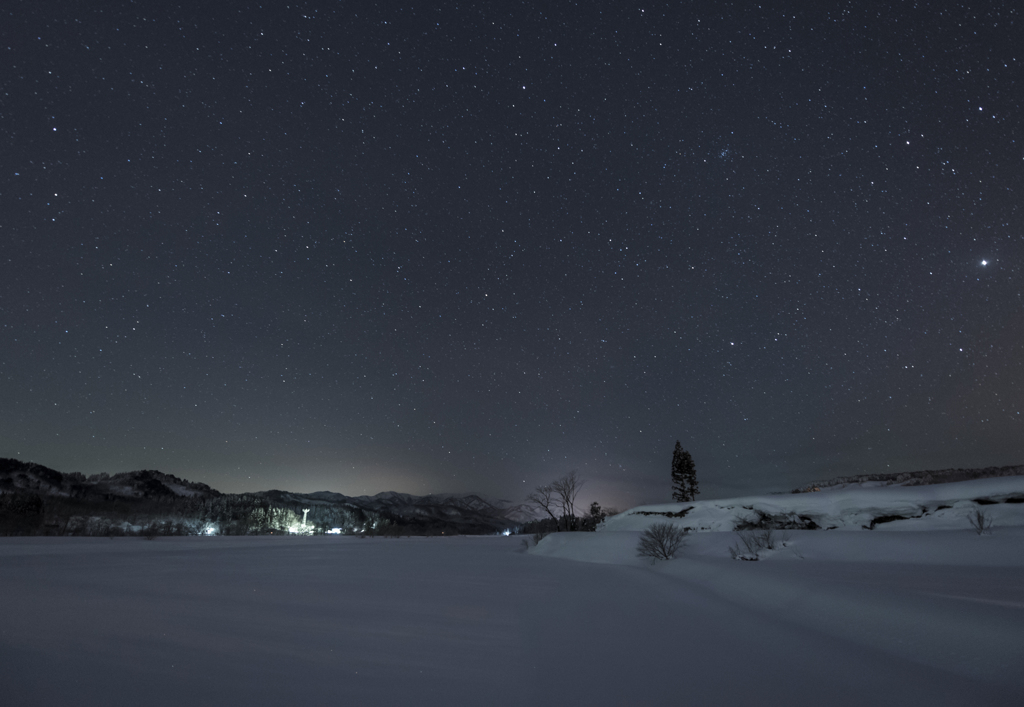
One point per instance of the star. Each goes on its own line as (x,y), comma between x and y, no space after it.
(322,291)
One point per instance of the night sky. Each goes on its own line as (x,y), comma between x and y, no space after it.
(438,247)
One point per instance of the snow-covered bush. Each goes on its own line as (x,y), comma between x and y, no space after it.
(661,541)
(755,542)
(980,521)
(760,519)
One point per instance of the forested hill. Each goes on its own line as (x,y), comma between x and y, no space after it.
(37,500)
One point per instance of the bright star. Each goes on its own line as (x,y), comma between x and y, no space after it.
(984,262)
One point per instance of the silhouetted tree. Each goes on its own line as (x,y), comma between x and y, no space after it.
(593,518)
(558,500)
(684,475)
(567,489)
(543,500)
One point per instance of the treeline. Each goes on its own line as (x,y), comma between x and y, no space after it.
(21,514)
(37,500)
(566,523)
(556,504)
(28,513)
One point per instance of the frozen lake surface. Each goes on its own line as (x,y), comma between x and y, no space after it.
(475,621)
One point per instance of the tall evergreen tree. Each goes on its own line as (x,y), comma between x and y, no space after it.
(691,478)
(684,475)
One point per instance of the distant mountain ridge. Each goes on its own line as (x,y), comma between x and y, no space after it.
(913,478)
(35,499)
(145,483)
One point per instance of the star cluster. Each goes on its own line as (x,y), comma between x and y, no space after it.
(453,247)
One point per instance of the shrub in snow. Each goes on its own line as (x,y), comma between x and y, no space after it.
(754,542)
(781,521)
(980,521)
(661,541)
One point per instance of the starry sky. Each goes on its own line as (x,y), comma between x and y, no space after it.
(434,247)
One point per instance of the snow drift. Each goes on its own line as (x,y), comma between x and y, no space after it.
(934,507)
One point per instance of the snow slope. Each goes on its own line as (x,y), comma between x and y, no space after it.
(952,600)
(935,507)
(949,599)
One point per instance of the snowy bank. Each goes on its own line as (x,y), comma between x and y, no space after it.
(949,600)
(936,507)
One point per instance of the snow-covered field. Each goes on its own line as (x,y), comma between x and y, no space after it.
(833,618)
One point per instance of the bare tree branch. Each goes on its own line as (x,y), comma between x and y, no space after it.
(566,489)
(543,499)
(557,500)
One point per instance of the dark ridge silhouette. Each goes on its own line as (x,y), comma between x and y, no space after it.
(37,500)
(914,478)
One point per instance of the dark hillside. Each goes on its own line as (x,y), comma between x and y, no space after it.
(35,499)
